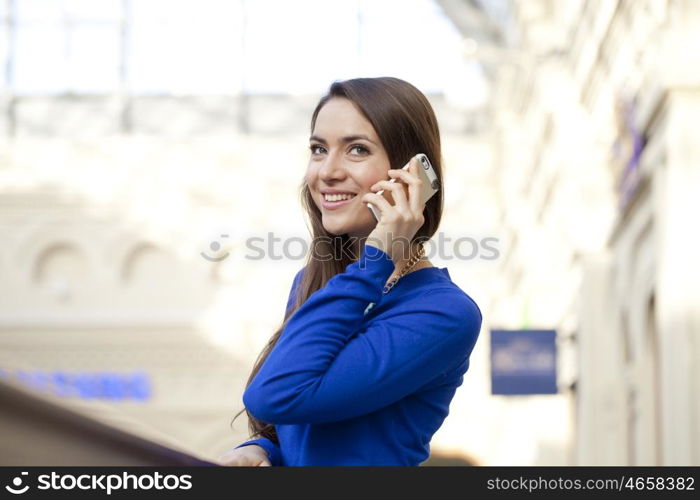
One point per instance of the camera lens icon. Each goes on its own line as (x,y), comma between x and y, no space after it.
(215,246)
(17,482)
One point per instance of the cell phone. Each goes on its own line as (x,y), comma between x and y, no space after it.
(427,174)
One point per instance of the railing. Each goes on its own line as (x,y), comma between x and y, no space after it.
(35,431)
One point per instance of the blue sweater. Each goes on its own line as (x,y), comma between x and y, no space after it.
(362,378)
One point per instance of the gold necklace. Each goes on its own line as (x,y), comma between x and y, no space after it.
(407,267)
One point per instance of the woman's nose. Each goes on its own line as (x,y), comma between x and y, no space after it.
(332,168)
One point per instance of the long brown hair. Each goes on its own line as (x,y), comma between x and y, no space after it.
(406,125)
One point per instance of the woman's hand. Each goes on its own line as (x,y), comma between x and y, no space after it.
(398,223)
(251,455)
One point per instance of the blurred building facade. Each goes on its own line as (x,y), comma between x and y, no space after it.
(105,319)
(601,174)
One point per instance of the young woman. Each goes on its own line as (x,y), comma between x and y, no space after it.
(375,339)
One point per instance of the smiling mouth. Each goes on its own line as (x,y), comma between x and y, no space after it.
(332,201)
(338,197)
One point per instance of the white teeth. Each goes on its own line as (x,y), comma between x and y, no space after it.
(337,197)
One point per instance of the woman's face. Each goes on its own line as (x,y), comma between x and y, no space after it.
(346,157)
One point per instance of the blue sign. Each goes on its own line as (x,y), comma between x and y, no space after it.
(523,362)
(114,386)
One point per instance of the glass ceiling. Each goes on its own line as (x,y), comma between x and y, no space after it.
(226,47)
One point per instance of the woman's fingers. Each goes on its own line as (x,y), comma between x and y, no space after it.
(233,462)
(397,191)
(414,183)
(399,222)
(242,457)
(404,208)
(378,201)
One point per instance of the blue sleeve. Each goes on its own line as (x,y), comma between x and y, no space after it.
(272,450)
(323,369)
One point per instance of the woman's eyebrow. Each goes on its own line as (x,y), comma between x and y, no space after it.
(346,139)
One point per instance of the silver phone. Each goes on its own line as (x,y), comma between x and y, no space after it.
(427,174)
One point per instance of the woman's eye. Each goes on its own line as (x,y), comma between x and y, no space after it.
(315,149)
(360,149)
